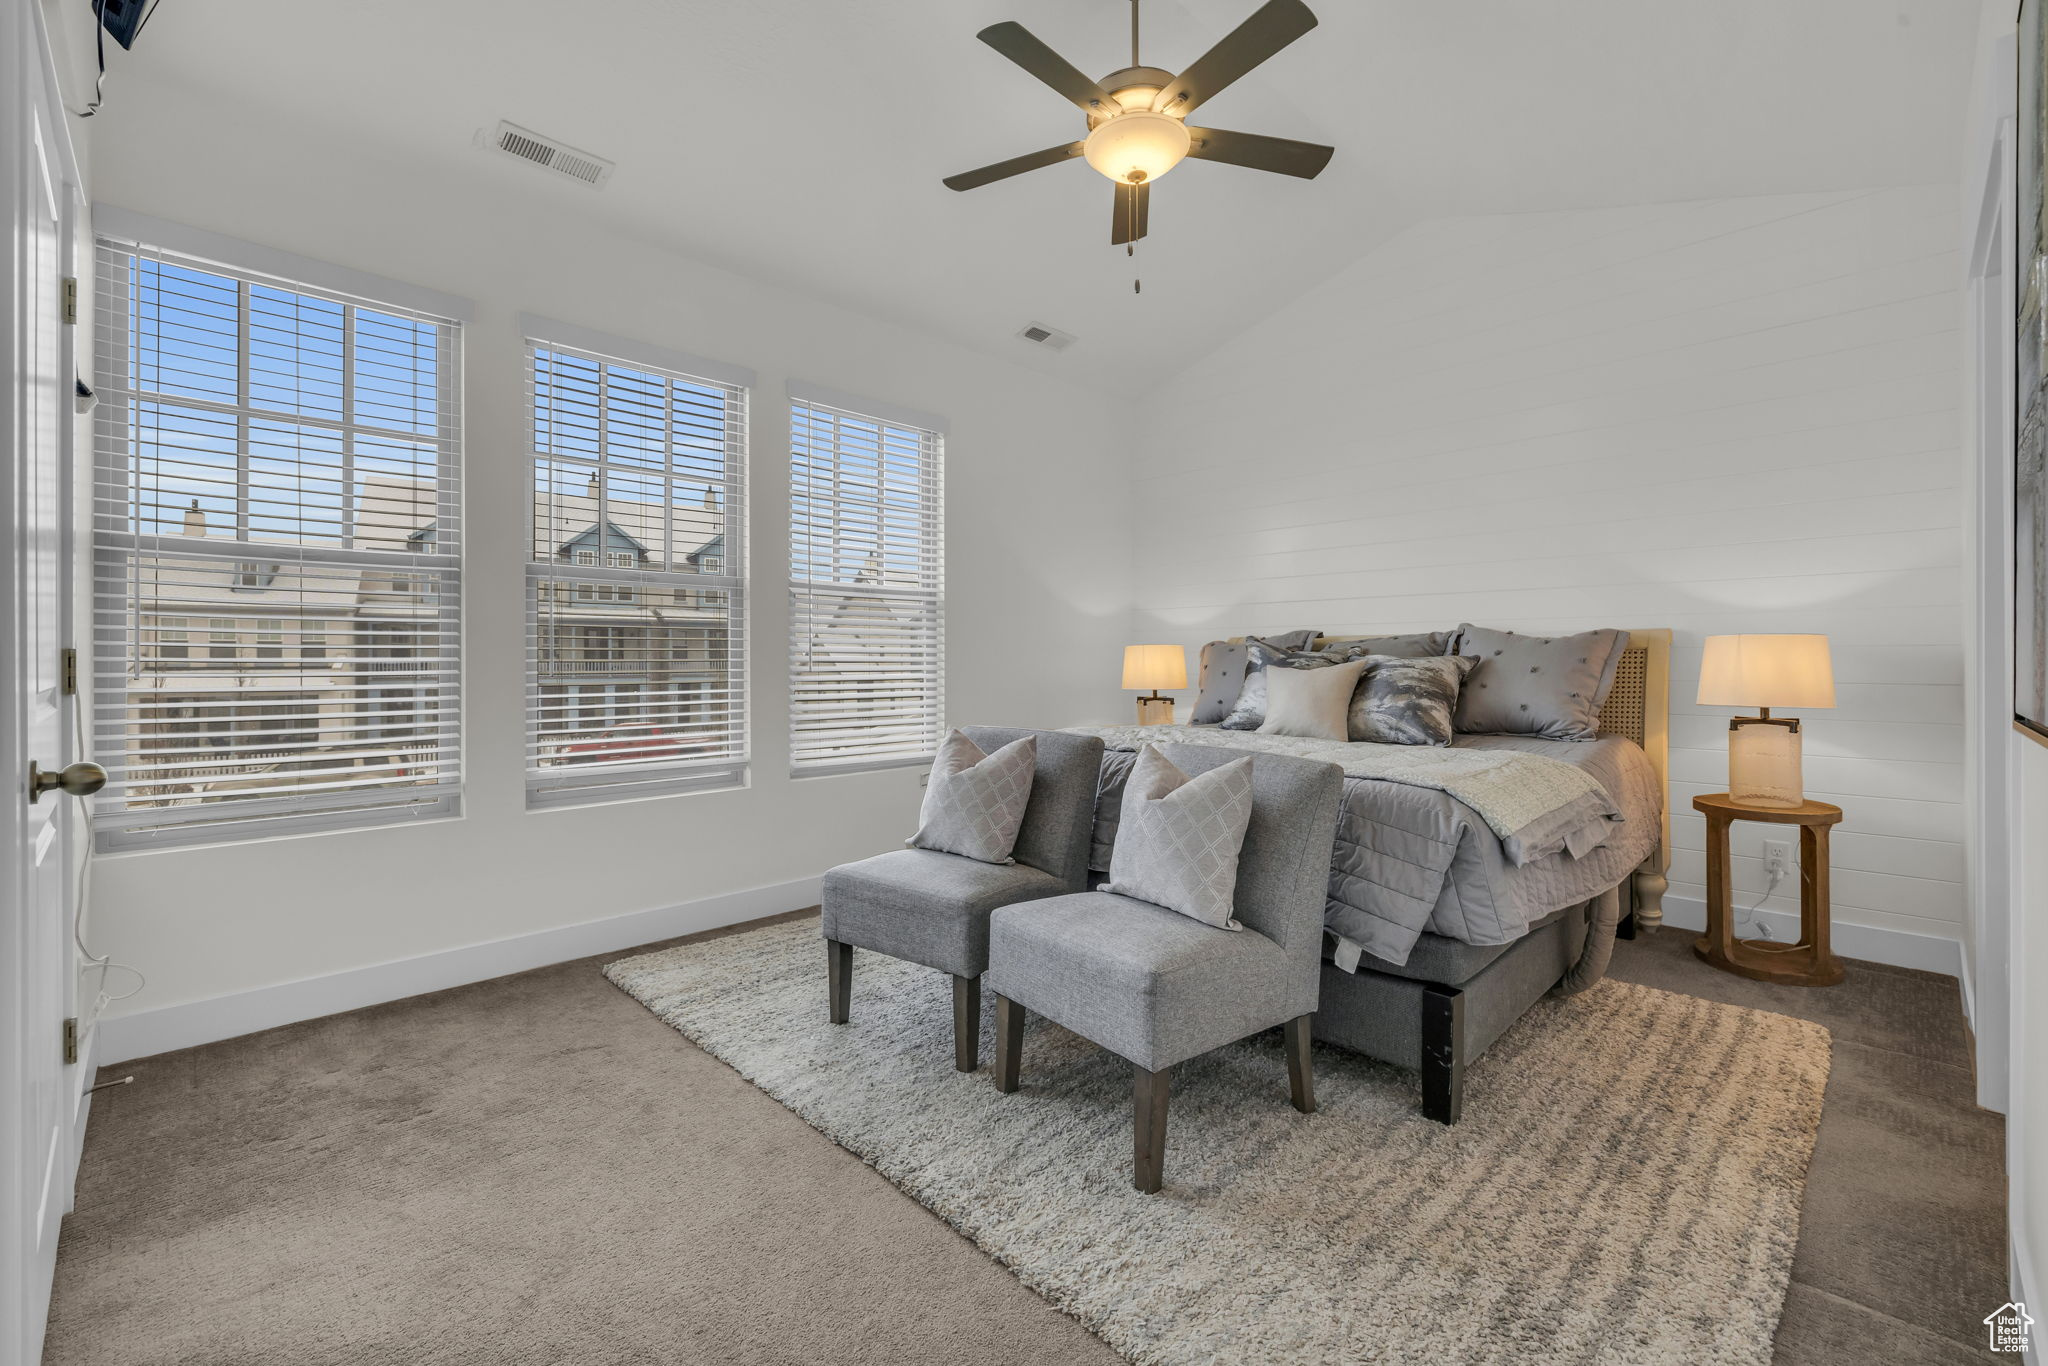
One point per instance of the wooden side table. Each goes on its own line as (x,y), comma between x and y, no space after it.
(1810,964)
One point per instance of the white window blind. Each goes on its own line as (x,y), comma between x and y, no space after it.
(277,554)
(867,646)
(636,596)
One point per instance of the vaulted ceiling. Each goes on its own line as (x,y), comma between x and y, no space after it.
(802,141)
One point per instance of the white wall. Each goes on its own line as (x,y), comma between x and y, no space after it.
(1037,569)
(1725,416)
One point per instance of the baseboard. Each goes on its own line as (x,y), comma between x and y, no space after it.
(1898,948)
(1966,973)
(168,1028)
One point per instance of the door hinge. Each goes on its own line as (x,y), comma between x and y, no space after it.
(71,1040)
(69,291)
(69,672)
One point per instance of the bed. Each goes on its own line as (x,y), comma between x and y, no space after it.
(1449,913)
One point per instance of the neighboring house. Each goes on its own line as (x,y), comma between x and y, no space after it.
(280,661)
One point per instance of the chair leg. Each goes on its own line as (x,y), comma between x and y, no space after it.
(1301,1080)
(966,1023)
(838,978)
(1148,1128)
(1443,1052)
(1009,1042)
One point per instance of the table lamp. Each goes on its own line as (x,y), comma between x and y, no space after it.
(1155,667)
(1765,672)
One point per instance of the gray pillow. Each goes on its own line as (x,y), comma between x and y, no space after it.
(974,803)
(1223,673)
(1552,686)
(1178,838)
(1417,646)
(1311,703)
(1248,712)
(1408,701)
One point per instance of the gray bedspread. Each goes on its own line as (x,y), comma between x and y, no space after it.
(1410,859)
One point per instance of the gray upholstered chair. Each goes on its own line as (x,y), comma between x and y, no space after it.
(932,908)
(1157,987)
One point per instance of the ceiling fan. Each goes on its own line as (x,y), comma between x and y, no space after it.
(1137,129)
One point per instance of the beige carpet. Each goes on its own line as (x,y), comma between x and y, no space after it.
(1624,1188)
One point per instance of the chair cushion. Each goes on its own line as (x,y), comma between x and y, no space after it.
(1147,983)
(926,907)
(974,802)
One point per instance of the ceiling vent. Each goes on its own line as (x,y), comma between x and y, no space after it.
(1051,338)
(545,152)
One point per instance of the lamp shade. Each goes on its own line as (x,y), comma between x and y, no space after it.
(1767,671)
(1155,666)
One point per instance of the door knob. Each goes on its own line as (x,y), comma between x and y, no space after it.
(81,779)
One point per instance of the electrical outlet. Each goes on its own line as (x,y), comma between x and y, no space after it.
(1778,858)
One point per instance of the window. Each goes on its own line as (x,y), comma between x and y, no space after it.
(637,681)
(866,558)
(173,645)
(284,455)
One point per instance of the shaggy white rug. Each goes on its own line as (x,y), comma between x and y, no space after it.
(1624,1187)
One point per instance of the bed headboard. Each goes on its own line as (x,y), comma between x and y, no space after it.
(1638,708)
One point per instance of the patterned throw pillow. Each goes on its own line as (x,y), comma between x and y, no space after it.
(1552,686)
(1249,711)
(974,804)
(1178,838)
(1408,701)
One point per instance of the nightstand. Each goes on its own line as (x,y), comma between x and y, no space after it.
(1810,963)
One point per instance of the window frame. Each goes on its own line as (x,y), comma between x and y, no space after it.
(931,431)
(124,632)
(593,579)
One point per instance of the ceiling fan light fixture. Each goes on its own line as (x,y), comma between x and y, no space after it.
(1137,148)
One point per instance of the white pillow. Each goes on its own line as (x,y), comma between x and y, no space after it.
(1178,838)
(1312,703)
(974,803)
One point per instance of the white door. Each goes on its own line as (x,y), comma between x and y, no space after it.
(36,961)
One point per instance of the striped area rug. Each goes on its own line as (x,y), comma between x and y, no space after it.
(1624,1186)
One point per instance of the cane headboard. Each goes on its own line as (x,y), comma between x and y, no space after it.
(1638,708)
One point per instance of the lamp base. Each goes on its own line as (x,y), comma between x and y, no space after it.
(1764,761)
(1155,711)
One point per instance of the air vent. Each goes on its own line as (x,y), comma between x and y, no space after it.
(560,158)
(1051,338)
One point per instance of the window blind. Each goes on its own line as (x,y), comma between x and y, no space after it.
(636,589)
(277,554)
(867,638)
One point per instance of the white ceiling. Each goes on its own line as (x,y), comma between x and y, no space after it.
(802,141)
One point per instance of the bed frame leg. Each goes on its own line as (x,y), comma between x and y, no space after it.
(1443,1052)
(1651,884)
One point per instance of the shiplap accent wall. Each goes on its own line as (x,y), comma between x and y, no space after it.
(1719,417)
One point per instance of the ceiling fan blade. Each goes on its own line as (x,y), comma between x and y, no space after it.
(1003,170)
(1277,23)
(1015,41)
(1133,206)
(1261,153)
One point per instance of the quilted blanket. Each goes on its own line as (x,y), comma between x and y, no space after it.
(1431,839)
